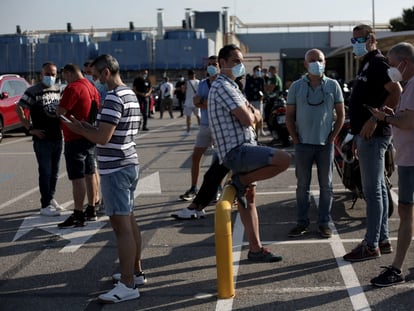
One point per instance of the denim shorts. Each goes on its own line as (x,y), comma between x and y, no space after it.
(118,190)
(204,138)
(247,158)
(80,158)
(406,185)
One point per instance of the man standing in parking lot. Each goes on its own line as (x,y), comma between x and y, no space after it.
(143,89)
(372,88)
(42,99)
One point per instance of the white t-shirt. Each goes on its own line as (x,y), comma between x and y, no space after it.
(404,138)
(192,86)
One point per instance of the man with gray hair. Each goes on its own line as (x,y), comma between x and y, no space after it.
(401,60)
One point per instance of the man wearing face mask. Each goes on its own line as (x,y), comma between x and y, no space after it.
(312,104)
(204,139)
(372,88)
(232,121)
(41,100)
(401,56)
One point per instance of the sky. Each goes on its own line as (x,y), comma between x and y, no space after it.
(34,15)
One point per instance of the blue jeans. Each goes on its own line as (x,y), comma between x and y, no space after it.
(371,161)
(48,155)
(118,190)
(305,156)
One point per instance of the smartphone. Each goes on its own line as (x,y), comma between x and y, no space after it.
(368,107)
(65,119)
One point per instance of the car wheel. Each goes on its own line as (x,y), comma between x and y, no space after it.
(1,130)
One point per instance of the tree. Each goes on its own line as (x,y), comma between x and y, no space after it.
(406,22)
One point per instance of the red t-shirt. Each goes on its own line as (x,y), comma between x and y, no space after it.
(76,99)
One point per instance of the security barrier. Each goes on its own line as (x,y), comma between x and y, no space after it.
(224,248)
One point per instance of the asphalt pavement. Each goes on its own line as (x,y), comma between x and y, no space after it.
(46,268)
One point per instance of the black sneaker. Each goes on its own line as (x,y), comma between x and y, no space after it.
(299,230)
(325,231)
(90,213)
(388,277)
(385,247)
(263,256)
(71,222)
(189,195)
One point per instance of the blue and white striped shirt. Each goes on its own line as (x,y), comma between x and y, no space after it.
(120,108)
(228,132)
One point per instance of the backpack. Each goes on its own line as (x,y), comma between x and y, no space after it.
(93,112)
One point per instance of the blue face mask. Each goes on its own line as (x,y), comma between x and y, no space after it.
(212,70)
(90,78)
(258,73)
(49,81)
(101,87)
(360,49)
(316,68)
(238,70)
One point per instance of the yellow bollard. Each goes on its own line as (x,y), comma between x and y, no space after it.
(224,248)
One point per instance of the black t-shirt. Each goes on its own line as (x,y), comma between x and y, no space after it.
(253,87)
(368,88)
(142,85)
(178,92)
(42,102)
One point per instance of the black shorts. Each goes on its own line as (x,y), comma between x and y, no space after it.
(80,158)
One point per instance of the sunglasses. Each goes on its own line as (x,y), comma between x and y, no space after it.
(359,40)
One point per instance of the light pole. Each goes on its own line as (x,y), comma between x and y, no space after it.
(373,14)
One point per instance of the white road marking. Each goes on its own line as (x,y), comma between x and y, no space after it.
(352,284)
(77,236)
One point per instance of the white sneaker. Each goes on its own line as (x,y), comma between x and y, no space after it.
(119,293)
(139,278)
(201,214)
(186,133)
(56,205)
(49,211)
(186,213)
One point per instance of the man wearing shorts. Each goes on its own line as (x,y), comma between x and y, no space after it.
(118,124)
(189,108)
(79,152)
(232,121)
(401,60)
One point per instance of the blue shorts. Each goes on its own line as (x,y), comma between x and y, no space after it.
(406,185)
(118,190)
(80,158)
(247,158)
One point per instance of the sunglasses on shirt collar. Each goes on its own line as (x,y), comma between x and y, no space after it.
(359,40)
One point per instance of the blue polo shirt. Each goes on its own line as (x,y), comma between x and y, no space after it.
(314,108)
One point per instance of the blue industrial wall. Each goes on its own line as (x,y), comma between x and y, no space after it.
(15,53)
(182,53)
(131,55)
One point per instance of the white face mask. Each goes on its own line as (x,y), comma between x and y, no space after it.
(395,74)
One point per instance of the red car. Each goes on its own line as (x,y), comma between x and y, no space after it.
(12,88)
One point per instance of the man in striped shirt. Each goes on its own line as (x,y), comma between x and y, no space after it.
(118,124)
